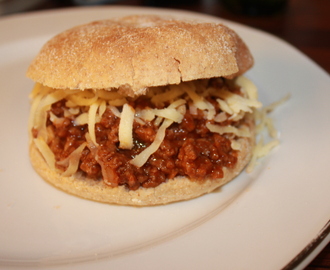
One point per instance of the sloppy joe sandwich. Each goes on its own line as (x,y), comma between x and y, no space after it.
(142,110)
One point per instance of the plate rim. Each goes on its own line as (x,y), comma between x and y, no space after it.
(324,232)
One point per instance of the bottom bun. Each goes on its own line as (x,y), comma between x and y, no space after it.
(177,189)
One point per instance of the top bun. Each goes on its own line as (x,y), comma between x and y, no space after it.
(136,52)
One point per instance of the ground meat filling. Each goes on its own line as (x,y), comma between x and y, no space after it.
(189,149)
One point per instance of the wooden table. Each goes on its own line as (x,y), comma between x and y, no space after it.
(303,23)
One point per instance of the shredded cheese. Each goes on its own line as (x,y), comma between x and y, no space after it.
(33,115)
(173,93)
(83,98)
(46,152)
(82,119)
(73,111)
(260,151)
(247,86)
(265,124)
(39,90)
(241,132)
(54,118)
(92,120)
(109,95)
(238,103)
(125,132)
(91,146)
(254,157)
(43,99)
(175,100)
(146,114)
(199,101)
(102,108)
(169,113)
(220,117)
(142,158)
(266,148)
(177,103)
(182,109)
(224,106)
(272,106)
(117,102)
(115,111)
(270,127)
(72,161)
(235,145)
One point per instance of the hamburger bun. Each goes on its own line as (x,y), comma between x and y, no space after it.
(137,52)
(130,56)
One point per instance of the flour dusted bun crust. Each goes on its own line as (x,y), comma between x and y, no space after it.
(96,73)
(137,52)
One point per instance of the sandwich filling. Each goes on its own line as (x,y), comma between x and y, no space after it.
(189,130)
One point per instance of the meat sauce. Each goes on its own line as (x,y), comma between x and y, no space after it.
(189,149)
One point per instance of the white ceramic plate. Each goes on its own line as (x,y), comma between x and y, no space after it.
(261,220)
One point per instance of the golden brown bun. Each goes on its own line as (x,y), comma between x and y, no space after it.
(136,52)
(177,189)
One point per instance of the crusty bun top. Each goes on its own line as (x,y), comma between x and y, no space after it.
(137,52)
